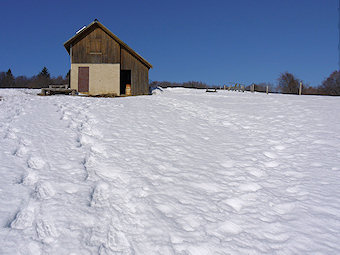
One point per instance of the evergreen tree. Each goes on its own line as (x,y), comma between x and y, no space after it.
(9,80)
(44,73)
(43,79)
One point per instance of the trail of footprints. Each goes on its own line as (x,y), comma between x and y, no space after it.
(28,218)
(105,198)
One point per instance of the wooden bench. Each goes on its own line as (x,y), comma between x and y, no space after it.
(65,86)
(211,90)
(58,89)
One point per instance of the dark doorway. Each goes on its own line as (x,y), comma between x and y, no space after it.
(83,79)
(125,78)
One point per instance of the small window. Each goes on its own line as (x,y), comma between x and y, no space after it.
(95,46)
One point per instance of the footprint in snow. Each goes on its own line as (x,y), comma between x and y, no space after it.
(87,139)
(20,151)
(72,125)
(65,115)
(23,219)
(46,231)
(117,241)
(100,195)
(11,135)
(17,113)
(44,190)
(30,178)
(36,163)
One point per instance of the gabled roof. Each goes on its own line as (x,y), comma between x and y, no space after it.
(68,44)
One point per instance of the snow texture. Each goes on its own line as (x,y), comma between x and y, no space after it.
(178,172)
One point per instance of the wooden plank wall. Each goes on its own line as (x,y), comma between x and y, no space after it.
(96,47)
(139,73)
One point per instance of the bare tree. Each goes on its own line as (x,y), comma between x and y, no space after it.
(2,79)
(288,83)
(331,86)
(21,82)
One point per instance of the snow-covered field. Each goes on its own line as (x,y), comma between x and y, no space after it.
(181,172)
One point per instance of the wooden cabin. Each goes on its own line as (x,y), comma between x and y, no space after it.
(101,63)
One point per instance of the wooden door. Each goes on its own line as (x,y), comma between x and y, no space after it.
(83,79)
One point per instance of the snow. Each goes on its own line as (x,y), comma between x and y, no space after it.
(178,172)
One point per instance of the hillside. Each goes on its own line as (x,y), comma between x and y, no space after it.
(180,172)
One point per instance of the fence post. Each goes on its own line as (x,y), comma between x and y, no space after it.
(300,89)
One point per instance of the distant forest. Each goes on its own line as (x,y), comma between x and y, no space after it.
(287,83)
(41,80)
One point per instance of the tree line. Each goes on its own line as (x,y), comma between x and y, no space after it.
(42,80)
(287,83)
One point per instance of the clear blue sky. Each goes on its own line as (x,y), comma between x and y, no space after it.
(210,41)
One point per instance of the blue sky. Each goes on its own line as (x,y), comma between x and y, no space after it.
(211,41)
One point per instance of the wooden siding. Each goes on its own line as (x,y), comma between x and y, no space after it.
(95,47)
(139,73)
